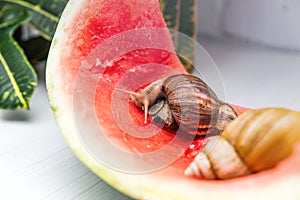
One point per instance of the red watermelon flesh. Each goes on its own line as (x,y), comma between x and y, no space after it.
(90,59)
(148,64)
(132,70)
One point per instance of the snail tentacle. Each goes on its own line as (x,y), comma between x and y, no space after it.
(146,97)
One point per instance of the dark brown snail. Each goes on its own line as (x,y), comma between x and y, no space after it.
(184,101)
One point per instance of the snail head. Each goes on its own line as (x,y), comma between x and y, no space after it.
(141,100)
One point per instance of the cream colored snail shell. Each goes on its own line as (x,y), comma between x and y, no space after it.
(184,101)
(255,141)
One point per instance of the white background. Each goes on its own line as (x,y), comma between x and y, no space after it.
(274,23)
(36,163)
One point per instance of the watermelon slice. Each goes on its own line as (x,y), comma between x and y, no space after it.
(103,44)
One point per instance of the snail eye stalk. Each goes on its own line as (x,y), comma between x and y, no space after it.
(139,99)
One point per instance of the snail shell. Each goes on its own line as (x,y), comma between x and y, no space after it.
(195,107)
(255,141)
(184,101)
(160,112)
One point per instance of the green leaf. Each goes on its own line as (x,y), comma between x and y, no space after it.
(181,16)
(45,14)
(17,77)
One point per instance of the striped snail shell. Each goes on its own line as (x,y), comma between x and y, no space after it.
(184,101)
(160,112)
(255,141)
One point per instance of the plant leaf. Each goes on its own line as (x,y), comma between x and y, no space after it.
(17,77)
(45,14)
(181,16)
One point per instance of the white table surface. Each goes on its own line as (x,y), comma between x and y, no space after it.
(36,163)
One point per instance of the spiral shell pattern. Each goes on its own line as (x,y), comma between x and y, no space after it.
(255,141)
(195,107)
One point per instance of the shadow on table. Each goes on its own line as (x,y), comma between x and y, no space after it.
(16,115)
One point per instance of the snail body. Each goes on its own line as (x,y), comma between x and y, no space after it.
(184,101)
(255,141)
